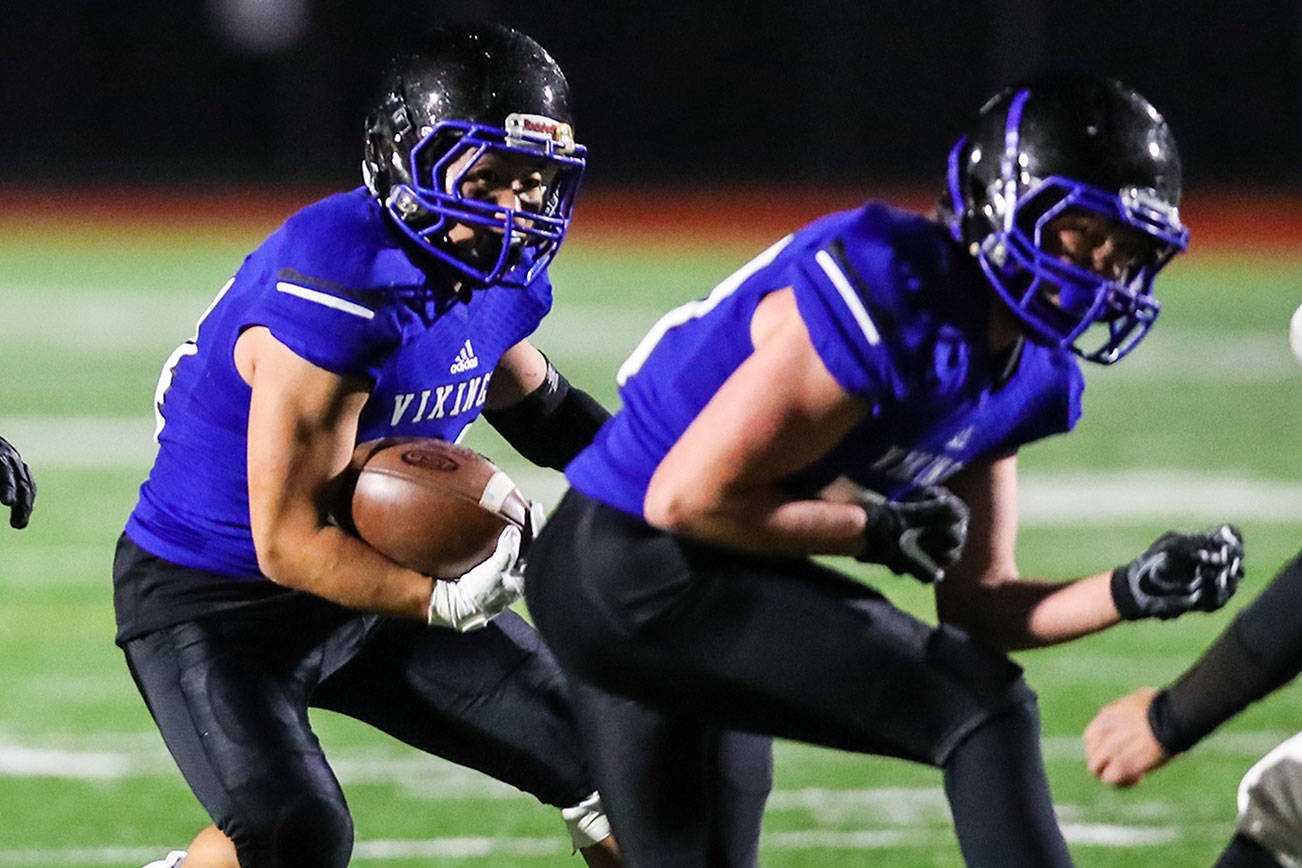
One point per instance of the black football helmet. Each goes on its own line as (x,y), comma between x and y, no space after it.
(1053,144)
(474,90)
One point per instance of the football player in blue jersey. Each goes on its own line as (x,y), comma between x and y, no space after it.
(17,489)
(813,404)
(400,308)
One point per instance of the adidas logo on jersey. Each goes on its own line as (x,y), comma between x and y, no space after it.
(465,360)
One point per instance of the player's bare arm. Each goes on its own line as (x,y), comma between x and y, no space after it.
(302,428)
(520,371)
(985,594)
(777,413)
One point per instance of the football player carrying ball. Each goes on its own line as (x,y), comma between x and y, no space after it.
(401,308)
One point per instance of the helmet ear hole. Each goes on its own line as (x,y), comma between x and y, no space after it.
(376,162)
(437,149)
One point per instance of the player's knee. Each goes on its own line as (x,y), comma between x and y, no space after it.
(1270,801)
(1018,707)
(304,832)
(986,684)
(994,741)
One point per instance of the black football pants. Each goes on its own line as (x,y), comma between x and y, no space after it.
(673,644)
(230,693)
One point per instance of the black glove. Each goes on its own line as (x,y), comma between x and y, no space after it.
(1179,573)
(17,490)
(917,536)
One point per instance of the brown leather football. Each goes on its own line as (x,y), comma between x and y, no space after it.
(431,505)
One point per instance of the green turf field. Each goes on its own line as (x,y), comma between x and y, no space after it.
(1201,423)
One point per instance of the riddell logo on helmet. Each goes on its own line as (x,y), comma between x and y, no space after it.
(536,128)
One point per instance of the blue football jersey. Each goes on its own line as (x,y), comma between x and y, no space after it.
(898,314)
(336,285)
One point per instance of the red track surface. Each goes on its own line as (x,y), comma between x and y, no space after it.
(1246,221)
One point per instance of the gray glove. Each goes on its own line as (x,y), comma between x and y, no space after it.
(17,490)
(918,536)
(1179,573)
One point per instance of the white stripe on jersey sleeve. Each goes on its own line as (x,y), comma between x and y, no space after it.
(326,299)
(848,295)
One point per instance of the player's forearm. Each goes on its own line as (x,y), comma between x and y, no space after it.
(760,521)
(1259,652)
(1071,610)
(1015,614)
(343,569)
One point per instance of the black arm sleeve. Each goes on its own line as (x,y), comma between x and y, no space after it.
(1260,651)
(552,424)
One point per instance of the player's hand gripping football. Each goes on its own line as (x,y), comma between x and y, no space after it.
(919,536)
(483,592)
(17,490)
(1179,573)
(489,588)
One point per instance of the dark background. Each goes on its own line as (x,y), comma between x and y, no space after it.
(208,93)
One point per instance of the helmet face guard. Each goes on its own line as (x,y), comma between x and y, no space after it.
(1061,304)
(428,206)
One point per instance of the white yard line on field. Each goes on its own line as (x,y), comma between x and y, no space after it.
(1113,835)
(448,848)
(895,816)
(1091,834)
(1201,356)
(94,320)
(142,755)
(26,762)
(1047,499)
(83,442)
(1068,498)
(898,806)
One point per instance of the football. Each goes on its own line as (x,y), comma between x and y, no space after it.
(430,505)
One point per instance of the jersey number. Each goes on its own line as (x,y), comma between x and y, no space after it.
(694,310)
(189,348)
